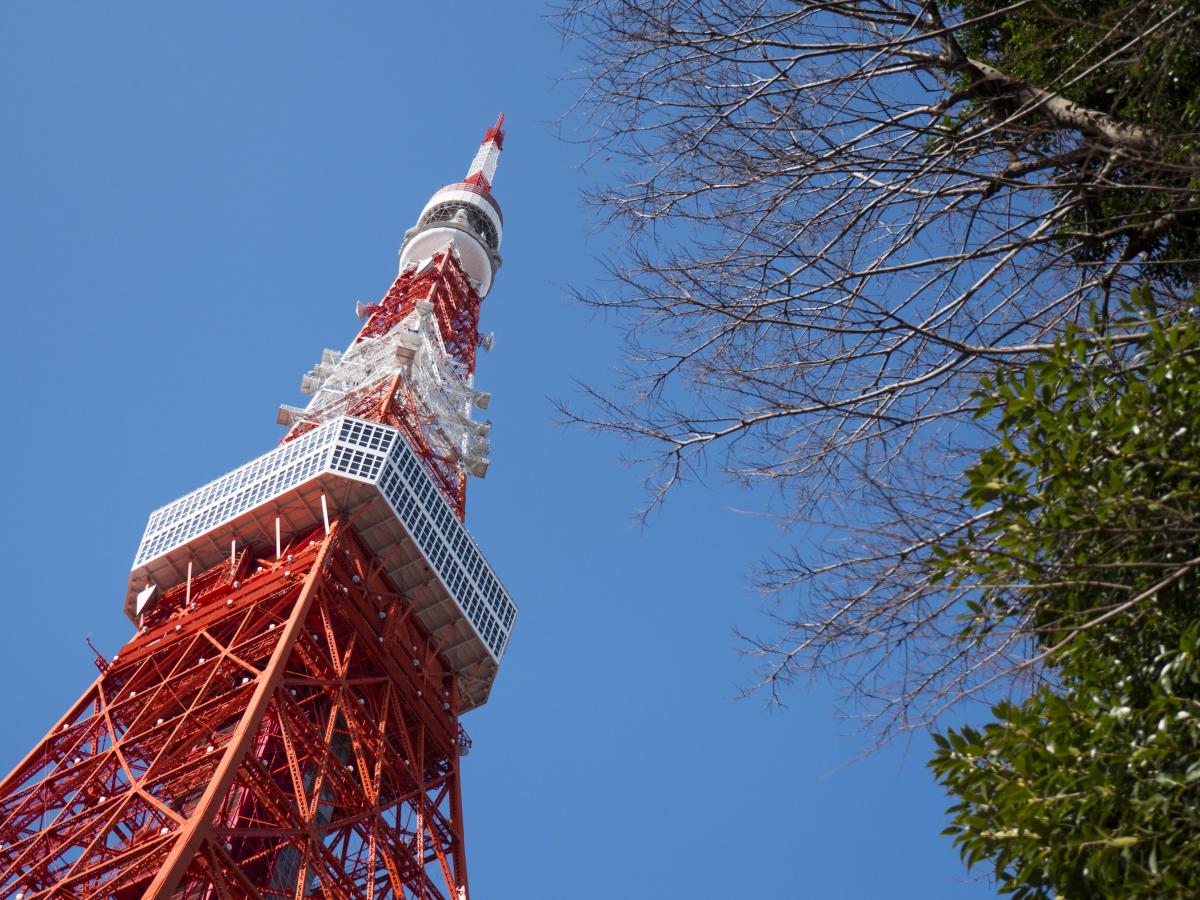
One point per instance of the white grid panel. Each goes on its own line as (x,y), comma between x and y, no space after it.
(445,544)
(444,393)
(231,495)
(366,451)
(361,449)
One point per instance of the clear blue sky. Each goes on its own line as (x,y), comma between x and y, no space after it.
(192,198)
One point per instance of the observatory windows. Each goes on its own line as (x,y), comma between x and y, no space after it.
(477,221)
(377,454)
(356,462)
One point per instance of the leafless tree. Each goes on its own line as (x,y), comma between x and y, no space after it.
(836,219)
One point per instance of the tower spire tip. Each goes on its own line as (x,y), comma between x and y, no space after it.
(496,132)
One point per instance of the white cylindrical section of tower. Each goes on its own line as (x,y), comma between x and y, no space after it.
(472,255)
(477,249)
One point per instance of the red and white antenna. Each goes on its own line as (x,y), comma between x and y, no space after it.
(465,215)
(483,167)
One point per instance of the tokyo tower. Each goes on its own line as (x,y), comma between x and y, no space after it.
(284,722)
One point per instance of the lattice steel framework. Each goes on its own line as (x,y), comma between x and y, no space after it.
(289,733)
(284,722)
(412,366)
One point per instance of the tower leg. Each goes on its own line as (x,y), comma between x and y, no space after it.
(291,733)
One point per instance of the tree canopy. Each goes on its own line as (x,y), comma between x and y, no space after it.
(1130,67)
(836,219)
(1090,786)
(928,268)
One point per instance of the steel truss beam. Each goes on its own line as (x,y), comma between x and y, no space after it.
(291,732)
(406,398)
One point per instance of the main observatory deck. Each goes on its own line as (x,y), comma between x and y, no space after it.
(366,472)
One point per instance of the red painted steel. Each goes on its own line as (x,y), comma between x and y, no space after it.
(456,311)
(279,726)
(291,733)
(455,302)
(496,132)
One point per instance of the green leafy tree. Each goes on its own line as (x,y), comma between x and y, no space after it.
(1133,65)
(839,217)
(1090,787)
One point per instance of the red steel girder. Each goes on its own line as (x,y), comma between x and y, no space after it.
(391,401)
(291,732)
(455,303)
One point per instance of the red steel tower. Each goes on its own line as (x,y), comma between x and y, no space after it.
(309,628)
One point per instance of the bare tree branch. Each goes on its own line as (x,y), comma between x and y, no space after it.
(836,217)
